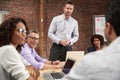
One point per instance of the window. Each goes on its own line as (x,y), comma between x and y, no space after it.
(99,25)
(2,13)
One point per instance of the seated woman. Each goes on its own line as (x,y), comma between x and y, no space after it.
(12,65)
(97,41)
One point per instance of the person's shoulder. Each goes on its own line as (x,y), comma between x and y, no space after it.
(94,57)
(58,17)
(95,60)
(7,47)
(8,50)
(25,49)
(73,19)
(91,49)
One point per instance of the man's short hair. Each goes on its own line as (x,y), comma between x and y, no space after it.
(113,15)
(33,31)
(69,2)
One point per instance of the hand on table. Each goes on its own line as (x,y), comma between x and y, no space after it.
(55,62)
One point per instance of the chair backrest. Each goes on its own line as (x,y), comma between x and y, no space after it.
(78,55)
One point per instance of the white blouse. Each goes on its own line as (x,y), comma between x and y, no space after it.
(12,63)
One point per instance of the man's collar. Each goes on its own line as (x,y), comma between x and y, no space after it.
(65,18)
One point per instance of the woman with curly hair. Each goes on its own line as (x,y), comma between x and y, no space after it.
(97,41)
(12,65)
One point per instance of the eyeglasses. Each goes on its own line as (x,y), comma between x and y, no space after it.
(33,38)
(20,30)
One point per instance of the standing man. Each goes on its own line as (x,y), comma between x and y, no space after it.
(63,32)
(103,64)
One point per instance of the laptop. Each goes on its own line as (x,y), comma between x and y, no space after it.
(78,55)
(58,75)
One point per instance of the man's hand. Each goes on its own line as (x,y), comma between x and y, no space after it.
(56,62)
(64,42)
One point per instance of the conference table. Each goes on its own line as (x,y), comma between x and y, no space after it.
(50,70)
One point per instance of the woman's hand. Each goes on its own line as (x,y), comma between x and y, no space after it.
(32,71)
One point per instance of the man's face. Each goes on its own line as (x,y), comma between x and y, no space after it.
(68,9)
(33,40)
